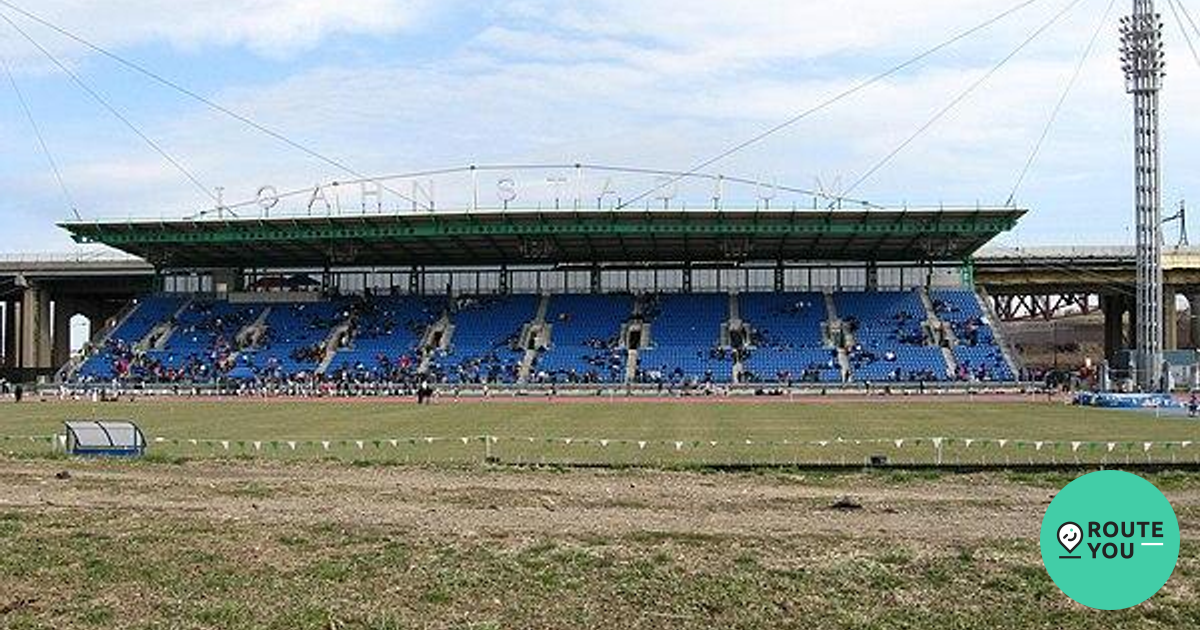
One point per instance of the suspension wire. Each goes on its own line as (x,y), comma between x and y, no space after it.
(1187,37)
(856,88)
(174,85)
(1037,147)
(113,110)
(1188,15)
(962,96)
(37,131)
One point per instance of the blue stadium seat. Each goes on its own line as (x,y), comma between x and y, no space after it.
(787,339)
(293,341)
(890,343)
(686,333)
(386,337)
(486,330)
(978,355)
(203,341)
(585,335)
(114,358)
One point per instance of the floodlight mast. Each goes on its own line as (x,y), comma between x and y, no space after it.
(1143,61)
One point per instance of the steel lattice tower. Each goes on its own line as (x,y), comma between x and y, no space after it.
(1142,59)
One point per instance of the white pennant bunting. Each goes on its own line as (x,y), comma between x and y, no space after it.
(1075,446)
(292,445)
(325,445)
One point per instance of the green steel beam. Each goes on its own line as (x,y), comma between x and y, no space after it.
(234,233)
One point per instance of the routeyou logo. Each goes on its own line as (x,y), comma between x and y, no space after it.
(1110,540)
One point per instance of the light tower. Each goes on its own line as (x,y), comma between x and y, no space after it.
(1143,61)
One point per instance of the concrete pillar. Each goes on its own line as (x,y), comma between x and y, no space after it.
(12,336)
(1131,333)
(1170,319)
(61,339)
(35,329)
(99,315)
(1114,307)
(1193,320)
(97,321)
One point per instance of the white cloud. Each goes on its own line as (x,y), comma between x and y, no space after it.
(664,83)
(718,36)
(268,27)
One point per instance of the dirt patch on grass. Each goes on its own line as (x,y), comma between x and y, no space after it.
(439,502)
(215,544)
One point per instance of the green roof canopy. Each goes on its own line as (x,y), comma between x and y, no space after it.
(446,238)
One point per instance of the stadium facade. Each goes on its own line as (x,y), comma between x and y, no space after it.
(742,298)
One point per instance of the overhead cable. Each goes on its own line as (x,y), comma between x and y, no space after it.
(856,88)
(958,99)
(114,111)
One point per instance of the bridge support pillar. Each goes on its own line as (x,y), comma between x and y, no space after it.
(1194,319)
(12,336)
(60,352)
(1170,319)
(99,318)
(35,329)
(1115,308)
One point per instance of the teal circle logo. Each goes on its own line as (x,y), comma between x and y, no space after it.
(1110,540)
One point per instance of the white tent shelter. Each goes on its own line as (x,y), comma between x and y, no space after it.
(108,438)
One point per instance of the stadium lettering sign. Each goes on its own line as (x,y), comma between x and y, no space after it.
(555,190)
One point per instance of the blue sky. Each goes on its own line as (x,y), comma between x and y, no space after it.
(398,85)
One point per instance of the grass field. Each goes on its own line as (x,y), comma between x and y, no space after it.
(697,432)
(258,544)
(245,536)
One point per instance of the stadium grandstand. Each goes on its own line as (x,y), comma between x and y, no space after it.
(738,299)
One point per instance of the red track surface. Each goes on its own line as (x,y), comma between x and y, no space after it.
(839,399)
